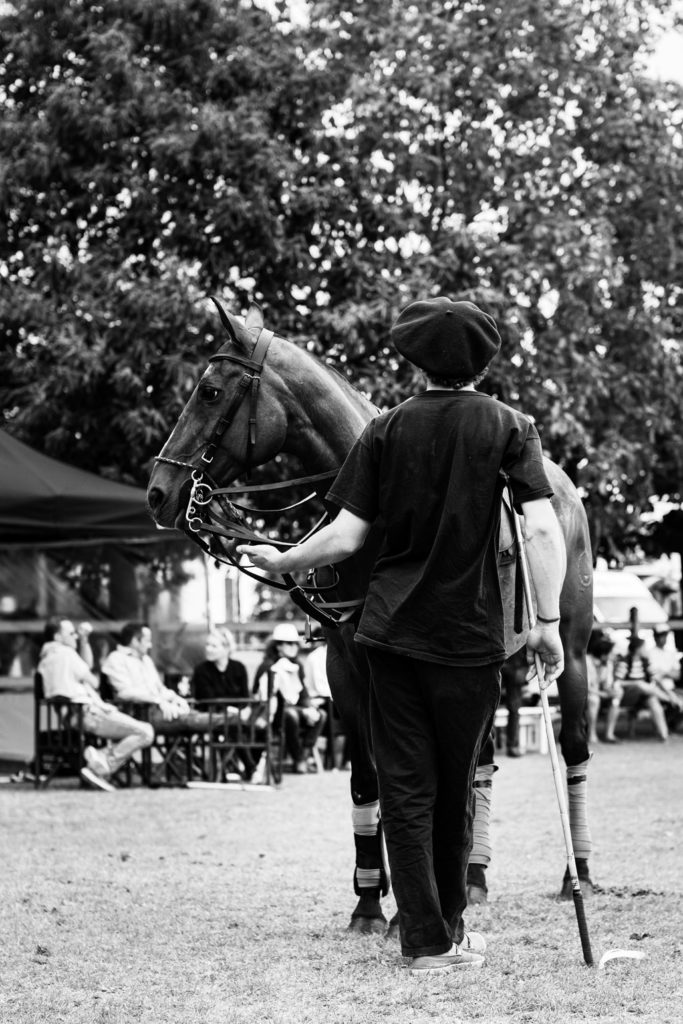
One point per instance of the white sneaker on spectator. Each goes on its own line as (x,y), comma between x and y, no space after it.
(91,777)
(97,762)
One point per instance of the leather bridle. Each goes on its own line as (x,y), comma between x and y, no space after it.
(201,516)
(249,383)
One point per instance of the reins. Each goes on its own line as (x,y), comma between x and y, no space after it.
(202,516)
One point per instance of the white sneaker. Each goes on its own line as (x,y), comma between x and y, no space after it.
(473,942)
(456,957)
(91,777)
(97,762)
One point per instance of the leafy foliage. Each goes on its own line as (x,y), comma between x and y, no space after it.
(515,154)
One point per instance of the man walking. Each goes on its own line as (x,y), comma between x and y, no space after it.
(431,471)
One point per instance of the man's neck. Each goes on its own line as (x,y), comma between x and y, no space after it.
(132,650)
(438,387)
(221,664)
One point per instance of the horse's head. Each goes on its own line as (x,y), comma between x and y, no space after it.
(218,433)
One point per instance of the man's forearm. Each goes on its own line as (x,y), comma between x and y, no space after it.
(547,565)
(329,545)
(333,543)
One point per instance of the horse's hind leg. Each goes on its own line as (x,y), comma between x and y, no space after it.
(573,693)
(348,675)
(480,857)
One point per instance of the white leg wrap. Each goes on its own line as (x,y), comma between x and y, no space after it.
(365,818)
(371,868)
(577,794)
(481,840)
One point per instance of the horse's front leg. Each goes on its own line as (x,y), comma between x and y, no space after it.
(349,679)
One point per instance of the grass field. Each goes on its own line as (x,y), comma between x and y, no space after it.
(207,907)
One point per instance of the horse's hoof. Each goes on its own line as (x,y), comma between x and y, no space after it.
(393,931)
(476,895)
(585,881)
(368,925)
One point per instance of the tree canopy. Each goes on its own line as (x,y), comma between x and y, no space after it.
(518,155)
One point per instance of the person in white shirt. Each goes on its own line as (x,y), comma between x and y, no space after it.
(665,668)
(282,672)
(66,674)
(641,691)
(602,687)
(665,661)
(133,677)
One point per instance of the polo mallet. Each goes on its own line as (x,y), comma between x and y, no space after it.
(577,895)
(552,749)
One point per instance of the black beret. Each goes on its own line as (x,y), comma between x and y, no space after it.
(456,340)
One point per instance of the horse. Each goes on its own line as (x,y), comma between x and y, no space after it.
(262,395)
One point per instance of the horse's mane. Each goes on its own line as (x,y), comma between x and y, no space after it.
(341,378)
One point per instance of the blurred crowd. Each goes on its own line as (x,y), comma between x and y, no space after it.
(642,680)
(627,682)
(292,687)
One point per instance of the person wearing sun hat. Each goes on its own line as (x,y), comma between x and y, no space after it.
(431,472)
(282,671)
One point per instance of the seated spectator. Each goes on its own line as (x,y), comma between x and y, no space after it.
(602,686)
(66,674)
(219,676)
(295,713)
(640,691)
(317,684)
(665,668)
(133,677)
(318,687)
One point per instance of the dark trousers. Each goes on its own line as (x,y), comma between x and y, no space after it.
(300,737)
(428,723)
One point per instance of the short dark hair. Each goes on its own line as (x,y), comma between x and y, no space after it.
(130,631)
(449,382)
(52,627)
(599,643)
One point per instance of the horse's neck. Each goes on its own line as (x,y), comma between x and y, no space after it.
(329,417)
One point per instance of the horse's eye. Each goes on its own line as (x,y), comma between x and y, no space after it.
(208,394)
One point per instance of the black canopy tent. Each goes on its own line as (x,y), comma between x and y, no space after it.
(44,502)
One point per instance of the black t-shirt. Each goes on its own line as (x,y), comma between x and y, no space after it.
(431,472)
(209,683)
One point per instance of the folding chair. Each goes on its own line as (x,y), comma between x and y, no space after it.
(173,758)
(59,738)
(243,728)
(179,758)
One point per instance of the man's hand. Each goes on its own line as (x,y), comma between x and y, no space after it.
(311,716)
(179,703)
(263,556)
(169,711)
(544,641)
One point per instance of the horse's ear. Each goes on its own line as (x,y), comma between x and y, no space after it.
(231,326)
(254,318)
